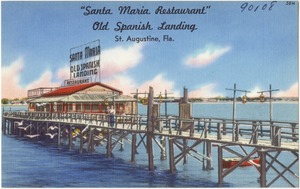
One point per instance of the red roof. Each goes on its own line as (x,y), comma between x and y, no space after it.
(62,91)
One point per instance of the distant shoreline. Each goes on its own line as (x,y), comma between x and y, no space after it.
(238,102)
(14,104)
(205,102)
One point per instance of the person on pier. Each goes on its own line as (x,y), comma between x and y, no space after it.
(112,116)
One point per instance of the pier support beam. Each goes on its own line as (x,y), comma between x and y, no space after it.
(208,154)
(133,147)
(185,143)
(12,125)
(150,129)
(70,137)
(58,134)
(81,143)
(254,132)
(263,179)
(163,150)
(108,147)
(4,126)
(10,128)
(171,156)
(185,113)
(91,141)
(220,165)
(121,145)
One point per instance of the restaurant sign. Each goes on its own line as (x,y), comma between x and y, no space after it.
(85,61)
(70,82)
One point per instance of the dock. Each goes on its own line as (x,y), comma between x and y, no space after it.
(176,136)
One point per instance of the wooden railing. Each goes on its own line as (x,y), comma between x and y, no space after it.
(252,130)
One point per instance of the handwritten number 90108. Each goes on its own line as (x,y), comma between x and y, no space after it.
(253,8)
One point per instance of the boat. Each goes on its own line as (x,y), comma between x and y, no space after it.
(231,161)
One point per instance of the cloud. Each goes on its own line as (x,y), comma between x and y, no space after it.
(11,86)
(43,81)
(159,84)
(63,73)
(207,56)
(290,92)
(206,91)
(120,59)
(123,82)
(128,85)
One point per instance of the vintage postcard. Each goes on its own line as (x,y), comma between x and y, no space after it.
(150,94)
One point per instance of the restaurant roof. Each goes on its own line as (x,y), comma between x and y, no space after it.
(62,91)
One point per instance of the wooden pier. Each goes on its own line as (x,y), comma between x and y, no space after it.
(243,139)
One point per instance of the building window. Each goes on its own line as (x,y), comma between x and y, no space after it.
(70,107)
(59,107)
(95,107)
(47,107)
(78,107)
(87,108)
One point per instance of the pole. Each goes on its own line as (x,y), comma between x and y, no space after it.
(263,180)
(70,137)
(220,166)
(166,109)
(137,101)
(114,104)
(271,125)
(234,107)
(108,146)
(171,156)
(233,113)
(185,95)
(133,147)
(270,100)
(270,103)
(58,133)
(150,129)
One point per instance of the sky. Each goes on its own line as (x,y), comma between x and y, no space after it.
(252,44)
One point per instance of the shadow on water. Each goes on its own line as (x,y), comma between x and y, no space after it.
(36,163)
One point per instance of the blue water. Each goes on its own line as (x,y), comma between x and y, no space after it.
(258,111)
(27,163)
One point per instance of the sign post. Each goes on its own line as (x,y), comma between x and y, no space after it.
(234,111)
(270,100)
(272,128)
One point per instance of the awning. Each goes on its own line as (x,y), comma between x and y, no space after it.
(47,100)
(86,98)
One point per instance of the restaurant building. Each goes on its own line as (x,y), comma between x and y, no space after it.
(93,97)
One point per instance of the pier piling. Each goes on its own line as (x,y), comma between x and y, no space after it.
(109,142)
(133,147)
(150,129)
(263,179)
(171,156)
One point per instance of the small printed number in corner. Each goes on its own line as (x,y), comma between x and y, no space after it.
(290,3)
